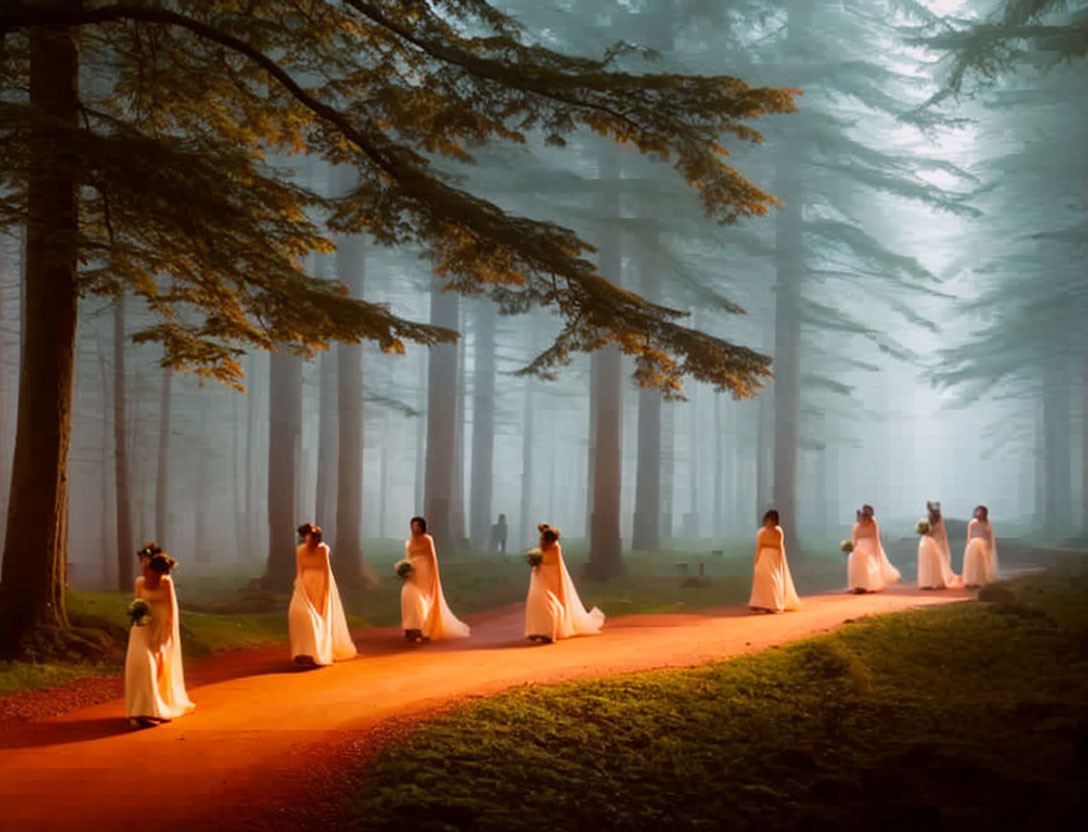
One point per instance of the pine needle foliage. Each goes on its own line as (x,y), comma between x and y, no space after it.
(192,114)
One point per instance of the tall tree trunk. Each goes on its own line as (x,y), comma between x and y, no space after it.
(1084,442)
(605,549)
(284,434)
(719,467)
(1056,430)
(201,497)
(483,426)
(442,412)
(646,528)
(668,470)
(327,441)
(457,493)
(420,500)
(525,519)
(789,266)
(5,389)
(125,549)
(35,542)
(105,540)
(348,554)
(255,393)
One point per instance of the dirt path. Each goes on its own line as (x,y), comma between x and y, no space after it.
(263,730)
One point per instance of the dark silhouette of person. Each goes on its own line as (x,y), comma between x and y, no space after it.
(498,536)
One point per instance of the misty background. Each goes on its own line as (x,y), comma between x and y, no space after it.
(938,253)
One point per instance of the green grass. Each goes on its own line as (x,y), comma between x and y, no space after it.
(967,716)
(20,676)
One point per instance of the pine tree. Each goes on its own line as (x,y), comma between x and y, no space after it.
(147,158)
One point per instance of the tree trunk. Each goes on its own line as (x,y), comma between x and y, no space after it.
(1084,443)
(441,425)
(327,441)
(126,552)
(254,395)
(35,543)
(284,434)
(457,493)
(668,470)
(1056,430)
(483,426)
(789,266)
(348,554)
(646,528)
(605,549)
(525,520)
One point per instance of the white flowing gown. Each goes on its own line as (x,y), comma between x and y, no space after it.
(940,534)
(980,556)
(423,605)
(316,622)
(868,567)
(552,607)
(772,583)
(154,679)
(930,563)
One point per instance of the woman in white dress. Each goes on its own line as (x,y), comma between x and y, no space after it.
(949,579)
(772,584)
(553,609)
(424,613)
(154,679)
(930,572)
(869,569)
(980,556)
(316,622)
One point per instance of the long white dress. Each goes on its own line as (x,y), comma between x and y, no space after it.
(423,605)
(772,583)
(940,534)
(980,555)
(868,567)
(930,563)
(316,622)
(552,607)
(154,678)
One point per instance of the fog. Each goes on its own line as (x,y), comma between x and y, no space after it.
(939,249)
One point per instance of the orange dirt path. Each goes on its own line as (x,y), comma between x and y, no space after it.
(261,726)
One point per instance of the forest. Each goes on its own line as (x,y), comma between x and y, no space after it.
(637,268)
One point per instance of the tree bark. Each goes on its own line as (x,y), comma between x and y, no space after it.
(35,542)
(525,520)
(284,434)
(126,552)
(789,266)
(348,553)
(605,548)
(646,528)
(442,414)
(327,483)
(1056,432)
(483,426)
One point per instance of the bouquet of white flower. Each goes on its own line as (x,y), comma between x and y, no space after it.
(405,570)
(922,526)
(847,546)
(535,557)
(139,612)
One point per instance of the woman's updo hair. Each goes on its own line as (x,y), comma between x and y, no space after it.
(422,524)
(161,563)
(984,511)
(549,533)
(149,550)
(308,529)
(867,510)
(771,514)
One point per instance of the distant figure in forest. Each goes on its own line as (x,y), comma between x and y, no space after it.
(498,536)
(980,555)
(424,613)
(553,609)
(316,622)
(154,680)
(869,569)
(772,584)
